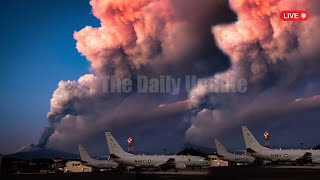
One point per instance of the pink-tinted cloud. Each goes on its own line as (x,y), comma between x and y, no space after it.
(273,55)
(149,37)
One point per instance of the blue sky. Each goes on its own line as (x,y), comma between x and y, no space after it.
(37,51)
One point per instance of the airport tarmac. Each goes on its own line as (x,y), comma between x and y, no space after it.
(212,173)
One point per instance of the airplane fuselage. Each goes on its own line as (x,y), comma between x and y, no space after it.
(101,164)
(158,160)
(237,158)
(286,155)
(297,155)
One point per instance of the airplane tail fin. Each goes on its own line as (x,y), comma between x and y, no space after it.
(252,144)
(114,148)
(84,155)
(220,149)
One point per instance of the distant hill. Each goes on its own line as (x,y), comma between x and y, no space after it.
(195,150)
(189,146)
(41,153)
(37,152)
(200,148)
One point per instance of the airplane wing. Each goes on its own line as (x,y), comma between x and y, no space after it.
(307,157)
(170,162)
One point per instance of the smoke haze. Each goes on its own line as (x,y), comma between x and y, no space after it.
(219,40)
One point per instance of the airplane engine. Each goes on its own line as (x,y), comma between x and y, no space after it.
(180,166)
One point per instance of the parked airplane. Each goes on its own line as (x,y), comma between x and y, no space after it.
(89,161)
(299,156)
(152,161)
(227,156)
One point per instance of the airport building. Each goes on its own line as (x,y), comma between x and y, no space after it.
(76,167)
(10,166)
(216,162)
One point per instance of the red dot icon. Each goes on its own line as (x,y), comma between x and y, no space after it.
(304,15)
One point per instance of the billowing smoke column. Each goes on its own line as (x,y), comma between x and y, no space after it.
(276,58)
(174,37)
(145,37)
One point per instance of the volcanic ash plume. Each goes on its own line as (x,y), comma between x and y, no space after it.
(275,57)
(145,37)
(174,37)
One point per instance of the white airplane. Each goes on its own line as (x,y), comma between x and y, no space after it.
(227,156)
(298,156)
(89,161)
(152,161)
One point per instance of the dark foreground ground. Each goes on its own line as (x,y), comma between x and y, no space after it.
(213,173)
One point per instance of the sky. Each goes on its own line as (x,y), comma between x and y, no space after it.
(37,51)
(56,55)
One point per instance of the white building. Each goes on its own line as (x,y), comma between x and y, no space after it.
(216,162)
(76,166)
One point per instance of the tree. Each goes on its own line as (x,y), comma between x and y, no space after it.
(194,152)
(317,147)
